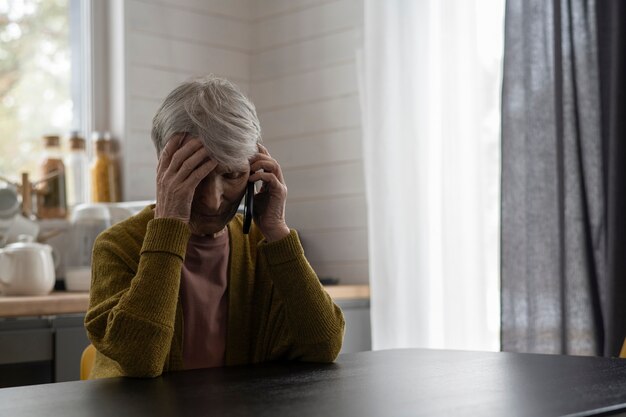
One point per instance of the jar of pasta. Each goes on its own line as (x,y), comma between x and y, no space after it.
(115,178)
(101,185)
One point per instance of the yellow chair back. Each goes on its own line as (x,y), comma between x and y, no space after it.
(622,353)
(86,361)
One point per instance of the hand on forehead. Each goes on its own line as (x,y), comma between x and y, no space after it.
(186,137)
(181,139)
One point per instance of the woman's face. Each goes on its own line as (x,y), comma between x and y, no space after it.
(216,199)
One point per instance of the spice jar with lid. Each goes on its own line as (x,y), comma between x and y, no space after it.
(101,187)
(76,164)
(115,178)
(51,198)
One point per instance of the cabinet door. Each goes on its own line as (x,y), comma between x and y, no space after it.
(70,341)
(26,352)
(358,332)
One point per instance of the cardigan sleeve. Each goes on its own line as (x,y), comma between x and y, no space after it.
(132,306)
(314,323)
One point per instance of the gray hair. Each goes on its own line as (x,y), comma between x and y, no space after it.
(215,111)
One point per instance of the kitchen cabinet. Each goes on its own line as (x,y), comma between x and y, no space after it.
(357,337)
(42,338)
(39,350)
(70,339)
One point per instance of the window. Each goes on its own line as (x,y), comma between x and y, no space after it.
(40,78)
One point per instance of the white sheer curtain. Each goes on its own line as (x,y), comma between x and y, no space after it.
(430,78)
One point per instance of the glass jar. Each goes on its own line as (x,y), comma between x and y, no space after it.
(51,198)
(101,184)
(76,164)
(115,178)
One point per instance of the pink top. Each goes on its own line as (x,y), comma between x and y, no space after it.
(204,295)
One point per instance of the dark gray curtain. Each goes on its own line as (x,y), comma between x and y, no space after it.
(611,18)
(564,177)
(553,180)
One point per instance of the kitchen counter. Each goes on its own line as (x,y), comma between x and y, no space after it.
(58,302)
(62,302)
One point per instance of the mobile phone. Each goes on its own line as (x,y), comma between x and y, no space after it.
(247,208)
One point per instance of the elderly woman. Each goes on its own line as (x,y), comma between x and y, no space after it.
(179,285)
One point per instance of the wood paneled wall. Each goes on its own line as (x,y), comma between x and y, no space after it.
(166,42)
(304,84)
(297,61)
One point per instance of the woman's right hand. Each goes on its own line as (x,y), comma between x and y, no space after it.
(184,162)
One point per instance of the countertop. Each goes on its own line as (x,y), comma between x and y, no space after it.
(63,302)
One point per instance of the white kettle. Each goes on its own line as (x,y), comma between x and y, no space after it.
(26,268)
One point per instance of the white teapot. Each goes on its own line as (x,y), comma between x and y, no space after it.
(26,268)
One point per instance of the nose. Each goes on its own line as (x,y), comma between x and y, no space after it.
(213,194)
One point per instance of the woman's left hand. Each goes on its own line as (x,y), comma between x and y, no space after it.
(269,202)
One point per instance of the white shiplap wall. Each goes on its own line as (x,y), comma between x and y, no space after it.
(297,61)
(304,84)
(165,42)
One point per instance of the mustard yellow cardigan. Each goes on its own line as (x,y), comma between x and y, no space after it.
(277,308)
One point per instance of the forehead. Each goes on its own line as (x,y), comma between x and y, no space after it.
(221,168)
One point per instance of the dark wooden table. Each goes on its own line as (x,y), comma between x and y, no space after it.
(411,382)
